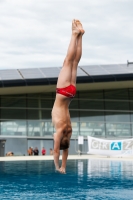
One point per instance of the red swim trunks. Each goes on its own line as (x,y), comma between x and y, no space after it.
(69,91)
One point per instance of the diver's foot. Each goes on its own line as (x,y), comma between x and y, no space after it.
(75,29)
(80,27)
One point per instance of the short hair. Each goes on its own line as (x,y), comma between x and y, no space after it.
(64,144)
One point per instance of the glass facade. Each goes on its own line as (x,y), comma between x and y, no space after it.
(102,113)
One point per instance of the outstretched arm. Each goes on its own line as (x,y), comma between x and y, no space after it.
(57,140)
(56,151)
(65,155)
(64,160)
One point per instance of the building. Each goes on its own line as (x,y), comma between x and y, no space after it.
(103,106)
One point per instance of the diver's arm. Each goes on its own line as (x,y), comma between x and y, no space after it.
(56,150)
(64,157)
(56,158)
(64,161)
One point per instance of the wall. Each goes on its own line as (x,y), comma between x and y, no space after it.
(47,144)
(17,145)
(101,113)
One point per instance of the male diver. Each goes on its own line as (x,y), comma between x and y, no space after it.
(65,91)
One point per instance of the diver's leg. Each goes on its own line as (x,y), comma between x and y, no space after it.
(64,78)
(78,54)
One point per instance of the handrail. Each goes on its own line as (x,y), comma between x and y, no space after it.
(72,121)
(71,109)
(80,98)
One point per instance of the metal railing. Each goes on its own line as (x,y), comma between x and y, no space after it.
(45,128)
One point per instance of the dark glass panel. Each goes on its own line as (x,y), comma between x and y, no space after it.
(121,94)
(46,103)
(74,104)
(91,94)
(9,101)
(53,95)
(117,105)
(13,114)
(131,99)
(131,94)
(91,104)
(91,100)
(34,95)
(74,114)
(33,114)
(46,114)
(117,117)
(91,116)
(46,95)
(33,103)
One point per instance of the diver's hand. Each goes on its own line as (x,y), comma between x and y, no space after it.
(62,170)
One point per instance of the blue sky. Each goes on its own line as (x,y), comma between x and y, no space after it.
(36,33)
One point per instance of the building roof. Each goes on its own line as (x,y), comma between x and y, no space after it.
(48,76)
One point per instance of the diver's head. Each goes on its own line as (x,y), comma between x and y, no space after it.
(64,144)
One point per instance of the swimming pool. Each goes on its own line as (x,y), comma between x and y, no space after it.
(85,179)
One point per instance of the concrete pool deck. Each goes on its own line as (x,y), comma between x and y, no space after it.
(70,157)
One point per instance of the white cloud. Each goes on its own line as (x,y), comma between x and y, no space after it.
(37,33)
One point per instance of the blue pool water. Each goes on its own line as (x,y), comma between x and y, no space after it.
(85,179)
